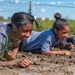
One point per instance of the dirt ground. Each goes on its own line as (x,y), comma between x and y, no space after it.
(43,65)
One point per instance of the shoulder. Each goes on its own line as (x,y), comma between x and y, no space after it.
(35,34)
(3,28)
(3,25)
(49,33)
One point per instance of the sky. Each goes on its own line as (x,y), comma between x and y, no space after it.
(39,8)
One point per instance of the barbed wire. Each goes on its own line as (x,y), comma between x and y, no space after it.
(67,6)
(4,4)
(34,3)
(23,3)
(50,2)
(9,10)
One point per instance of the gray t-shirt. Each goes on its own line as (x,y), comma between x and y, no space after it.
(5,32)
(3,36)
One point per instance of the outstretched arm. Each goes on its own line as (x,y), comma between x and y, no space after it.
(21,63)
(58,52)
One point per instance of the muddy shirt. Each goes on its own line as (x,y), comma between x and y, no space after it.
(42,41)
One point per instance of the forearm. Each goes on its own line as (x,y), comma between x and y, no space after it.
(8,63)
(55,52)
(14,52)
(19,63)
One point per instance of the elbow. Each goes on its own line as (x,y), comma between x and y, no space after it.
(46,53)
(10,58)
(13,57)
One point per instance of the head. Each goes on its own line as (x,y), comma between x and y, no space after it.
(22,24)
(61,28)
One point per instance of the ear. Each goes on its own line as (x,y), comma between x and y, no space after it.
(55,31)
(14,28)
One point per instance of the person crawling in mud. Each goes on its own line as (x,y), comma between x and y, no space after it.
(11,34)
(70,41)
(43,41)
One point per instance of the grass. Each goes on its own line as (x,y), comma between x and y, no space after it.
(72,26)
(46,24)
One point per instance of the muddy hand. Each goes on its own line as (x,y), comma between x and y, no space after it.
(68,53)
(24,63)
